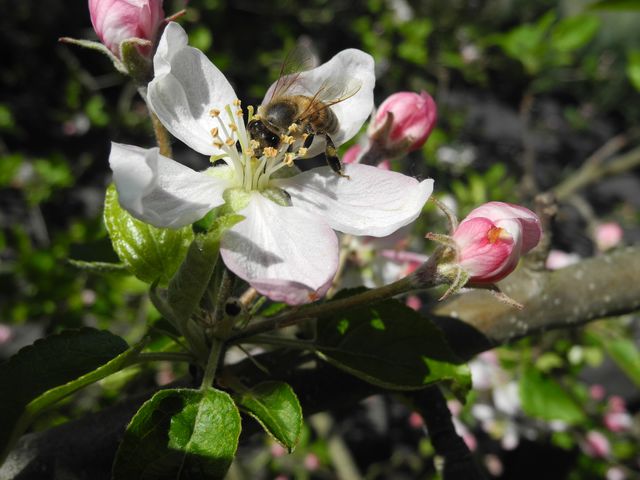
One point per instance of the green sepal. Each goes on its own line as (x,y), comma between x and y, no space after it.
(99,47)
(137,65)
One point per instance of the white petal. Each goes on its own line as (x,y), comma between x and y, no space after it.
(372,201)
(185,88)
(353,65)
(160,191)
(283,252)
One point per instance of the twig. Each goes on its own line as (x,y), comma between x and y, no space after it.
(594,171)
(458,461)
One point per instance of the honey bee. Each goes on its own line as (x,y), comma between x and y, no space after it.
(298,116)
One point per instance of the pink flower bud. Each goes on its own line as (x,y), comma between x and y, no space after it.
(412,118)
(492,239)
(117,20)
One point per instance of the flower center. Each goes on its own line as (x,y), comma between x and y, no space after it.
(250,172)
(496,233)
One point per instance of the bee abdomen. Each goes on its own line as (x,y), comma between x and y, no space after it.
(332,122)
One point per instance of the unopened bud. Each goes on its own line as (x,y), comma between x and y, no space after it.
(118,20)
(493,237)
(403,123)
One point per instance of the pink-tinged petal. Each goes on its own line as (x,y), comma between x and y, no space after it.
(357,68)
(160,191)
(285,253)
(496,211)
(372,201)
(486,252)
(186,87)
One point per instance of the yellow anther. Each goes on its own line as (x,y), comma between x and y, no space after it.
(253,144)
(270,152)
(288,159)
(237,102)
(217,144)
(304,136)
(214,112)
(239,113)
(230,141)
(287,139)
(214,132)
(302,151)
(293,128)
(233,127)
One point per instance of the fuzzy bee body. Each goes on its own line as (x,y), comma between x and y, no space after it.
(301,118)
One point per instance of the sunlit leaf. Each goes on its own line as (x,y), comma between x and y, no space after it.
(180,434)
(152,254)
(542,397)
(276,407)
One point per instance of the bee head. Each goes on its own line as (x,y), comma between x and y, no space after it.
(262,134)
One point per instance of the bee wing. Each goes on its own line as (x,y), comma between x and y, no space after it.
(332,91)
(297,61)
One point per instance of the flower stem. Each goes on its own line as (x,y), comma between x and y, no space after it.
(212,363)
(424,277)
(164,357)
(162,136)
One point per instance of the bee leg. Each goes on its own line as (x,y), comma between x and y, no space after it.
(333,160)
(309,140)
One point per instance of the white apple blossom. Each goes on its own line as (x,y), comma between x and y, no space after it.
(285,247)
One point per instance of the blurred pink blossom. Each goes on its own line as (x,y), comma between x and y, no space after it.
(278,450)
(596,445)
(617,422)
(617,404)
(117,20)
(414,302)
(608,235)
(493,237)
(5,333)
(616,473)
(558,259)
(311,462)
(415,420)
(597,392)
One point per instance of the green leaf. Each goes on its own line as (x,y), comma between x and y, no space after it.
(50,369)
(152,254)
(574,32)
(633,68)
(387,344)
(276,407)
(616,5)
(626,355)
(542,397)
(180,434)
